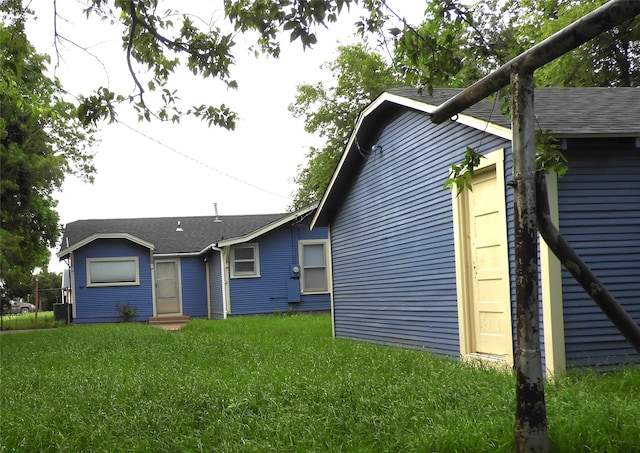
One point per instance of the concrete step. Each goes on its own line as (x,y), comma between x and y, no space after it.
(155,320)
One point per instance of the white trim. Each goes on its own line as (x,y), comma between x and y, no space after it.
(265,229)
(461,254)
(135,282)
(184,255)
(226,296)
(420,106)
(462,260)
(178,266)
(551,283)
(95,237)
(152,266)
(72,275)
(333,312)
(490,128)
(207,278)
(327,257)
(256,260)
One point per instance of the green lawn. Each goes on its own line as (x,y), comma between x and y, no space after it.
(278,384)
(46,320)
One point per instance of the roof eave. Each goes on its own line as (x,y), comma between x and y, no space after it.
(94,237)
(367,118)
(265,229)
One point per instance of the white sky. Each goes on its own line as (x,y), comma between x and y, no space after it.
(185,168)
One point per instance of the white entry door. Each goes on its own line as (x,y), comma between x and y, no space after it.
(490,301)
(167,288)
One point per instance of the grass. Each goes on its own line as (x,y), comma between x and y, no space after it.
(27,321)
(260,384)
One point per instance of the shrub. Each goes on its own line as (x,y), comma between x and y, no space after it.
(126,312)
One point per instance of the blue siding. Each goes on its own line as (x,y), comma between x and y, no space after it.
(98,304)
(599,200)
(194,287)
(268,294)
(392,239)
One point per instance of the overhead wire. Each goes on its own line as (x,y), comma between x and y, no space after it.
(204,164)
(180,153)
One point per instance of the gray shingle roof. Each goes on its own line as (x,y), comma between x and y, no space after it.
(197,232)
(569,112)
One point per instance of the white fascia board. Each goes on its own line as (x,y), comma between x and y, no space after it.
(177,255)
(467,120)
(338,169)
(97,236)
(211,247)
(265,229)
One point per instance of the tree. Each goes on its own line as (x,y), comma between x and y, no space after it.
(610,59)
(49,289)
(456,45)
(41,141)
(466,42)
(331,111)
(158,41)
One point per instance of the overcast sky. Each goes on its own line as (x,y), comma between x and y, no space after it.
(157,170)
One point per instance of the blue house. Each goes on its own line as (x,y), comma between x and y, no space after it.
(415,265)
(196,267)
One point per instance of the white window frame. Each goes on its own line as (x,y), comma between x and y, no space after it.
(256,261)
(117,259)
(301,245)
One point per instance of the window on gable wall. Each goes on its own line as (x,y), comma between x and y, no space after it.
(245,261)
(113,271)
(314,276)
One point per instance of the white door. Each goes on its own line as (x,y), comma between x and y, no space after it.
(490,295)
(167,288)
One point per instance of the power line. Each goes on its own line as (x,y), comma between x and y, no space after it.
(204,164)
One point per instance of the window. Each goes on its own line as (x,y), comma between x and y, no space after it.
(113,271)
(314,277)
(245,261)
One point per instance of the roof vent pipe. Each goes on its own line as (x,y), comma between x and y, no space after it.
(215,210)
(179,227)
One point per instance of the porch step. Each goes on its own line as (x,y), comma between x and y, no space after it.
(155,320)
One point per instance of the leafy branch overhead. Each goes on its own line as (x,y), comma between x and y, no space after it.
(452,43)
(160,43)
(461,173)
(549,158)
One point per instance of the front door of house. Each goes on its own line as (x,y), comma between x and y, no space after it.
(490,305)
(167,288)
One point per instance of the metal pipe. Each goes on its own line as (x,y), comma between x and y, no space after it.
(531,420)
(598,21)
(580,270)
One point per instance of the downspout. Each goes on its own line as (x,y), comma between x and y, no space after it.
(72,280)
(207,270)
(152,267)
(333,311)
(224,281)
